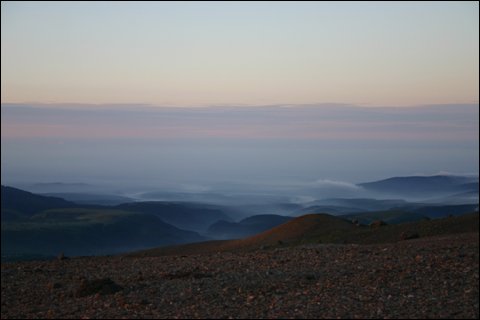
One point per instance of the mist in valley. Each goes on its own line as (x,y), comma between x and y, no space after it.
(214,175)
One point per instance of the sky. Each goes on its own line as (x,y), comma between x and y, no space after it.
(189,54)
(196,94)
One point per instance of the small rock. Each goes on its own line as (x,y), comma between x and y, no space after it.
(410,234)
(378,223)
(62,256)
(354,221)
(101,286)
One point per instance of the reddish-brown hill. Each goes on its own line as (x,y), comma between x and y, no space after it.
(297,229)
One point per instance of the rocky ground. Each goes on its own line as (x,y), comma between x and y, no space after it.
(420,278)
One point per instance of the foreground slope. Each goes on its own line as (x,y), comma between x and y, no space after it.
(415,279)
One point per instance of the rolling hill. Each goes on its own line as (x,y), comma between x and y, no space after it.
(303,227)
(245,228)
(310,229)
(333,210)
(182,215)
(17,203)
(35,224)
(87,198)
(89,231)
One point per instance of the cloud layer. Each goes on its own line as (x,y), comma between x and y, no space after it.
(321,121)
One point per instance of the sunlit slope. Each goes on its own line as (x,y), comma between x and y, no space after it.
(296,229)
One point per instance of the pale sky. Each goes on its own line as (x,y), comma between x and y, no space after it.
(191,54)
(270,93)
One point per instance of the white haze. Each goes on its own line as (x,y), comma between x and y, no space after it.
(301,152)
(293,170)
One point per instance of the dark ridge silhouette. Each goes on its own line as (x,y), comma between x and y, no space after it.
(27,203)
(179,214)
(418,186)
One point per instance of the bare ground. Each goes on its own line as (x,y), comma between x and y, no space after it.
(430,277)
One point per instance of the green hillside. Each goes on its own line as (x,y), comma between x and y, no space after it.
(89,231)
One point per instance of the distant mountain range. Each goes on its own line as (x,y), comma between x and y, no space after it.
(422,187)
(88,198)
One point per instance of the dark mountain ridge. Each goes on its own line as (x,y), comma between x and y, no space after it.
(422,186)
(182,215)
(35,224)
(28,203)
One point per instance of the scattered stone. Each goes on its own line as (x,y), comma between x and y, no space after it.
(378,223)
(186,275)
(310,277)
(410,234)
(103,286)
(62,256)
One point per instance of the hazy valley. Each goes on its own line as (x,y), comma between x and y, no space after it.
(80,219)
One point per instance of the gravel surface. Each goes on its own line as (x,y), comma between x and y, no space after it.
(421,278)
